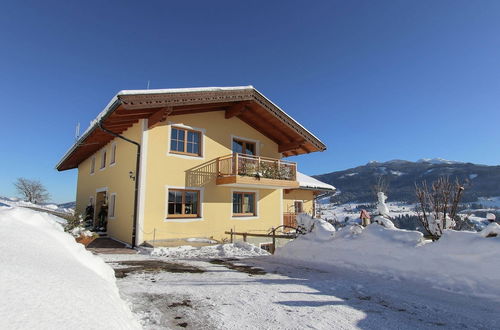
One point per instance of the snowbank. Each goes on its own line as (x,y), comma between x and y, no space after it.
(48,281)
(233,250)
(463,262)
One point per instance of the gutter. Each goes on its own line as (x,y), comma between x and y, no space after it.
(115,102)
(137,168)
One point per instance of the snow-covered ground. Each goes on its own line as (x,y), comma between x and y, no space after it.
(48,281)
(461,262)
(293,295)
(49,207)
(341,212)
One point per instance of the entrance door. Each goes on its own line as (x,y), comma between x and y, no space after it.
(100,200)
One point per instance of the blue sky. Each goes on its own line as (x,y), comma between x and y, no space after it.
(375,80)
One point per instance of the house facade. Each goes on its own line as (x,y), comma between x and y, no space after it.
(184,163)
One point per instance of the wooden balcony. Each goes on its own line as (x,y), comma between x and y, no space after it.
(241,170)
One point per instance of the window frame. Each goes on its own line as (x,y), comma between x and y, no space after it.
(92,165)
(183,215)
(103,159)
(186,132)
(244,142)
(244,215)
(112,158)
(112,206)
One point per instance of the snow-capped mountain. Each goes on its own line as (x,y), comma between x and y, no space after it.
(356,184)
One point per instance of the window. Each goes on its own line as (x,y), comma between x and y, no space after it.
(113,154)
(244,147)
(103,159)
(244,204)
(112,205)
(183,203)
(92,165)
(185,141)
(299,207)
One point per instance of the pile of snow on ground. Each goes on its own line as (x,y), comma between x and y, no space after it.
(463,262)
(233,250)
(48,281)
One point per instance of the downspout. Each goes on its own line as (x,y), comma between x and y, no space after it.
(137,165)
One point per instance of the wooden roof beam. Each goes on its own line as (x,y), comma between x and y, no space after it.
(159,116)
(291,146)
(236,110)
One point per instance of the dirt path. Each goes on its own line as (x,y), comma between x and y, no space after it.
(262,293)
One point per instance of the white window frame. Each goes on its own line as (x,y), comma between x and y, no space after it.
(202,141)
(92,165)
(112,156)
(200,218)
(257,204)
(103,159)
(112,197)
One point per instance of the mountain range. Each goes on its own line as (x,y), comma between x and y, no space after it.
(356,184)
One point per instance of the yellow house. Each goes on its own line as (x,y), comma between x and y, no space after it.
(191,163)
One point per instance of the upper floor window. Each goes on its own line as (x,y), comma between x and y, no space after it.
(103,159)
(183,203)
(92,165)
(185,141)
(113,154)
(244,147)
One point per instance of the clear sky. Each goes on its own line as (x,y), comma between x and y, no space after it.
(374,80)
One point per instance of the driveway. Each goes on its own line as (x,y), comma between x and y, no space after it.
(265,293)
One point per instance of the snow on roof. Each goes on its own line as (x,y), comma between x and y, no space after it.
(183,90)
(115,101)
(305,181)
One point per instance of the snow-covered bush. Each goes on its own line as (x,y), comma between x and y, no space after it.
(320,229)
(438,205)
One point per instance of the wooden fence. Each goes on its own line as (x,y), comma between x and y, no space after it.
(272,234)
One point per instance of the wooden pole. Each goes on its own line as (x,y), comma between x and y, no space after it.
(244,237)
(231,235)
(274,240)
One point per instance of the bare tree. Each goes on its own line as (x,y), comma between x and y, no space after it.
(381,185)
(33,191)
(438,205)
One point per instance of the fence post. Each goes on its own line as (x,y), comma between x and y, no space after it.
(154,237)
(244,237)
(231,235)
(274,240)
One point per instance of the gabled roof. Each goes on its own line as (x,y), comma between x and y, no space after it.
(307,182)
(129,106)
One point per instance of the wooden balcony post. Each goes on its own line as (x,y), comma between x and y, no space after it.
(217,166)
(236,169)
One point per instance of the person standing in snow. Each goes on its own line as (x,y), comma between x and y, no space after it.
(103,216)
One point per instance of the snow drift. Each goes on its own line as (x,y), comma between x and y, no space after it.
(232,250)
(48,281)
(462,262)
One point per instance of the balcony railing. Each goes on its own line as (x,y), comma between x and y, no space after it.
(256,167)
